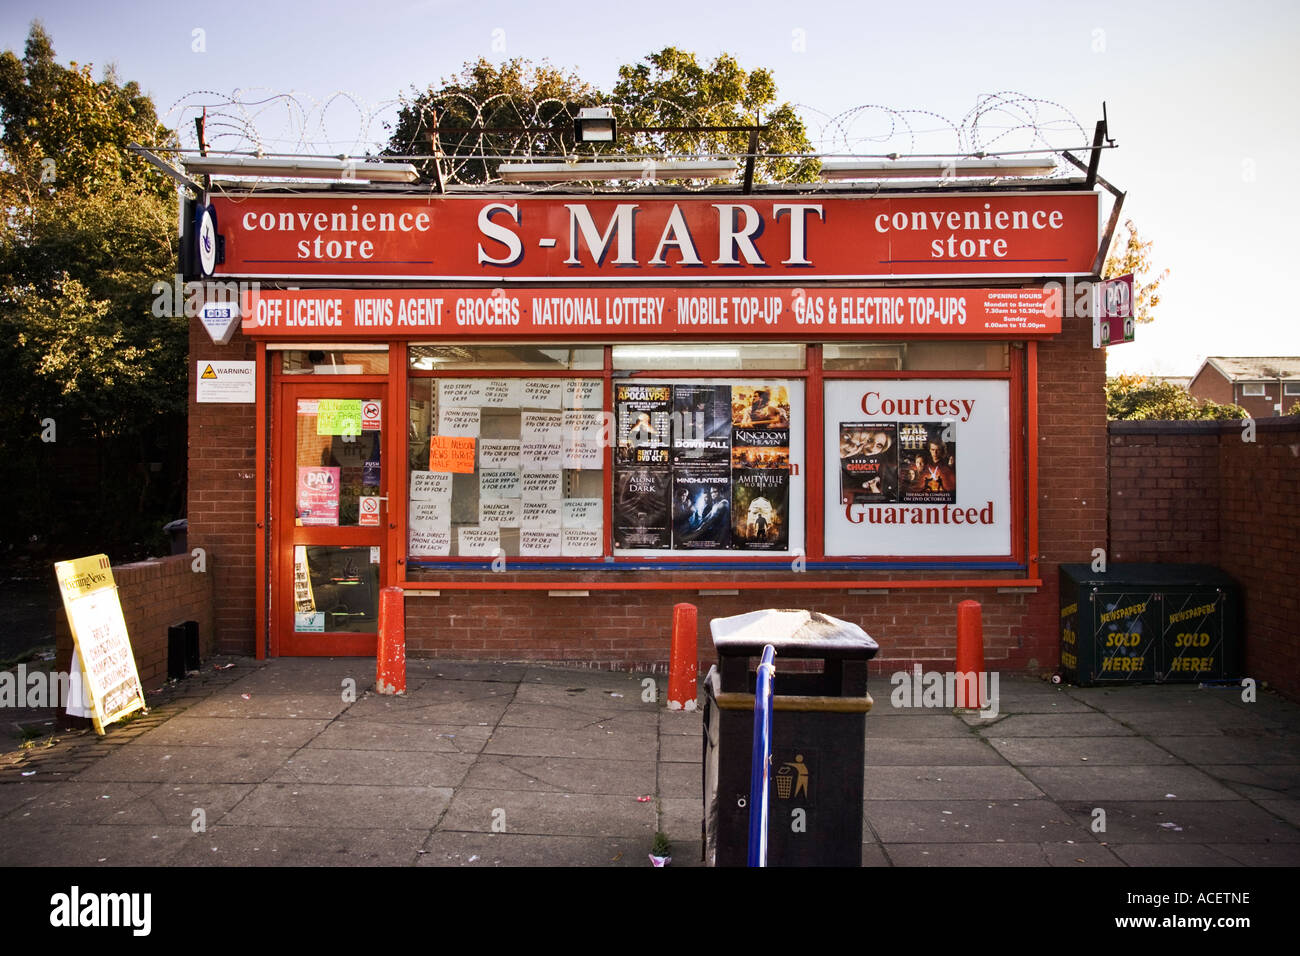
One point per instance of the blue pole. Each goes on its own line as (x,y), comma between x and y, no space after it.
(761,763)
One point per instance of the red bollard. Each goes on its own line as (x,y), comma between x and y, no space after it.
(682,667)
(970,654)
(390,657)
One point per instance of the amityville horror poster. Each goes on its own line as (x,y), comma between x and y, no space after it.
(641,512)
(760,508)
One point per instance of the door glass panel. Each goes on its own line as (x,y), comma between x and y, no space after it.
(338,457)
(335,589)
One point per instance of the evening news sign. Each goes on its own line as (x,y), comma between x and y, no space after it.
(548,239)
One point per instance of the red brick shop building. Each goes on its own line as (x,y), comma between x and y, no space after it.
(549,416)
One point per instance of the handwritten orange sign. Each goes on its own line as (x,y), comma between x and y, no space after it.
(451,453)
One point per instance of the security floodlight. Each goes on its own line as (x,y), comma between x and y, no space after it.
(595,124)
(647,170)
(302,168)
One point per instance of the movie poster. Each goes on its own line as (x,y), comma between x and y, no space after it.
(760,504)
(869,469)
(701,423)
(927,462)
(641,499)
(702,506)
(760,448)
(644,426)
(760,406)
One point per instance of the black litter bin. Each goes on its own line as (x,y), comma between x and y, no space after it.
(818,739)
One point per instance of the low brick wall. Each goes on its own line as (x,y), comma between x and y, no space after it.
(154,595)
(1196,492)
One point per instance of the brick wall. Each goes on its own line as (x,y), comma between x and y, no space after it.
(1216,499)
(154,595)
(222,495)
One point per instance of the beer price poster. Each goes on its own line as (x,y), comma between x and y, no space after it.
(100,638)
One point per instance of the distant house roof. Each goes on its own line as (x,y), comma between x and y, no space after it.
(1237,368)
(1182,381)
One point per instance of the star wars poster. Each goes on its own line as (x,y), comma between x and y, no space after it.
(927,462)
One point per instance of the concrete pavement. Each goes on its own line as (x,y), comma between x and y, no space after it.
(299,762)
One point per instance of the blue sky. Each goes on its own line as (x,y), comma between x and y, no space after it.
(1201,98)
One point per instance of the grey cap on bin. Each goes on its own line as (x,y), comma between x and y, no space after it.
(794,633)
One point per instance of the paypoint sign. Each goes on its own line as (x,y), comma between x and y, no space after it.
(786,240)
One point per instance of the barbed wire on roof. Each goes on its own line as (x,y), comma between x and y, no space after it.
(469,137)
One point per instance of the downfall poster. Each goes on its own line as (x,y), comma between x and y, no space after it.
(701,422)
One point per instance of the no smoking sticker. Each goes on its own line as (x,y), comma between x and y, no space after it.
(369,511)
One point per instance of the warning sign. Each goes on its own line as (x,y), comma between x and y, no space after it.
(371,415)
(226,382)
(369,511)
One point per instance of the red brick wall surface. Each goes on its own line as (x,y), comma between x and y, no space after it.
(1212,498)
(154,595)
(222,495)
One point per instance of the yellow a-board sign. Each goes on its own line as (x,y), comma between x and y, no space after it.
(99,633)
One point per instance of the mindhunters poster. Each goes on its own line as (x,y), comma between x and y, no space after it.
(643,422)
(869,470)
(927,462)
(760,504)
(701,422)
(641,512)
(702,506)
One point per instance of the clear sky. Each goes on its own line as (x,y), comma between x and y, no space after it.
(1201,98)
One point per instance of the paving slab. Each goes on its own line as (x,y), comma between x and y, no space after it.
(681,748)
(412,768)
(681,780)
(459,848)
(1196,723)
(610,698)
(562,774)
(1188,854)
(1258,782)
(999,854)
(680,817)
(82,845)
(341,805)
(1127,783)
(465,670)
(1053,725)
(301,846)
(187,730)
(972,821)
(926,751)
(1184,822)
(470,708)
(360,733)
(1228,749)
(1261,854)
(1080,751)
(550,813)
(590,742)
(189,764)
(557,717)
(930,724)
(949,783)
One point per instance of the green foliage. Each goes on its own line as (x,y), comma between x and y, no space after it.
(668,88)
(1139,398)
(1294,409)
(1131,254)
(88,229)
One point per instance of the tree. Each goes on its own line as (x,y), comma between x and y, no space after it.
(1140,398)
(473,111)
(88,229)
(1133,255)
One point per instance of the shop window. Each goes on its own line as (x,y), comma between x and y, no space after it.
(917,356)
(506,466)
(338,460)
(708,357)
(917,467)
(333,362)
(708,466)
(436,358)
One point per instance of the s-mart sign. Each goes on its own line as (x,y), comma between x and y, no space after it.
(651,239)
(652,311)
